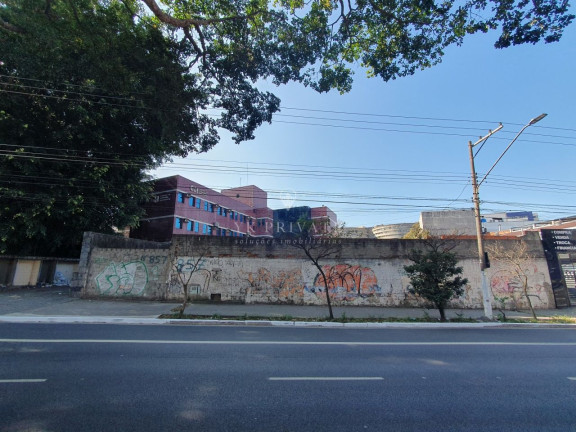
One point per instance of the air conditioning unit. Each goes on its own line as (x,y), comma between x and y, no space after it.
(216,225)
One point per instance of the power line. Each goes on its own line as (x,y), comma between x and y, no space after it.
(420,118)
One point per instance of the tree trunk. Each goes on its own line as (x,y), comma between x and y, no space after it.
(442,313)
(525,289)
(185,302)
(327,292)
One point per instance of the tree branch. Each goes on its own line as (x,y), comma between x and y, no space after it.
(11,27)
(183,23)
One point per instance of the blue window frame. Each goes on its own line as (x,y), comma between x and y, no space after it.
(178,223)
(189,226)
(180,197)
(198,202)
(206,206)
(231,215)
(191,201)
(196,226)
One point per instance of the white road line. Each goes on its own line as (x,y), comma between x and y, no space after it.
(33,380)
(325,378)
(236,342)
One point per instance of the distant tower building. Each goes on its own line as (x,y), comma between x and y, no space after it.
(392,231)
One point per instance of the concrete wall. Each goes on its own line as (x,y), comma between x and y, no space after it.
(30,271)
(449,222)
(27,271)
(364,272)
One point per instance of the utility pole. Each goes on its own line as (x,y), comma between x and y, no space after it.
(487,301)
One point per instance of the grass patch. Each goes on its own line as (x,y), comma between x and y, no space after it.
(554,319)
(342,319)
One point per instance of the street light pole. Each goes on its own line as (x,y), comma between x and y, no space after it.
(487,302)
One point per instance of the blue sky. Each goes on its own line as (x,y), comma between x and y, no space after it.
(387,151)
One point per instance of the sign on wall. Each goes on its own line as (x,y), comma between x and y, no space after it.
(560,251)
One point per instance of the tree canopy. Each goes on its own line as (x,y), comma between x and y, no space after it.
(321,42)
(416,233)
(95,92)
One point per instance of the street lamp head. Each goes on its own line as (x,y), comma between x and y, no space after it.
(537,119)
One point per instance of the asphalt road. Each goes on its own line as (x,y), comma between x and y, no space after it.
(64,377)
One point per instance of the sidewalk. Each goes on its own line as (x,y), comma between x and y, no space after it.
(58,302)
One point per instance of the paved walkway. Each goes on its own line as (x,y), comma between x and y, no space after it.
(59,302)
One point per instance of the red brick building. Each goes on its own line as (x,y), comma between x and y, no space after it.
(182,206)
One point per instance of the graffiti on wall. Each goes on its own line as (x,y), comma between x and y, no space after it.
(508,289)
(190,272)
(123,279)
(282,286)
(346,283)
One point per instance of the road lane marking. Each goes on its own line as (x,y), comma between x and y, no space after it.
(29,380)
(236,342)
(325,378)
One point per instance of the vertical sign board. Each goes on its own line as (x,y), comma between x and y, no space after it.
(559,246)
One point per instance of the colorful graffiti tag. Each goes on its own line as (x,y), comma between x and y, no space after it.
(508,289)
(347,283)
(123,279)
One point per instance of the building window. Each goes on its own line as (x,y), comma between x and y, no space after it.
(189,226)
(209,229)
(198,202)
(231,215)
(206,206)
(224,212)
(191,202)
(180,197)
(178,223)
(196,226)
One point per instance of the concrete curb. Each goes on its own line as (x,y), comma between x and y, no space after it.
(264,323)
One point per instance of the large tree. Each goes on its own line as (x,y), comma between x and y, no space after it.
(92,97)
(95,92)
